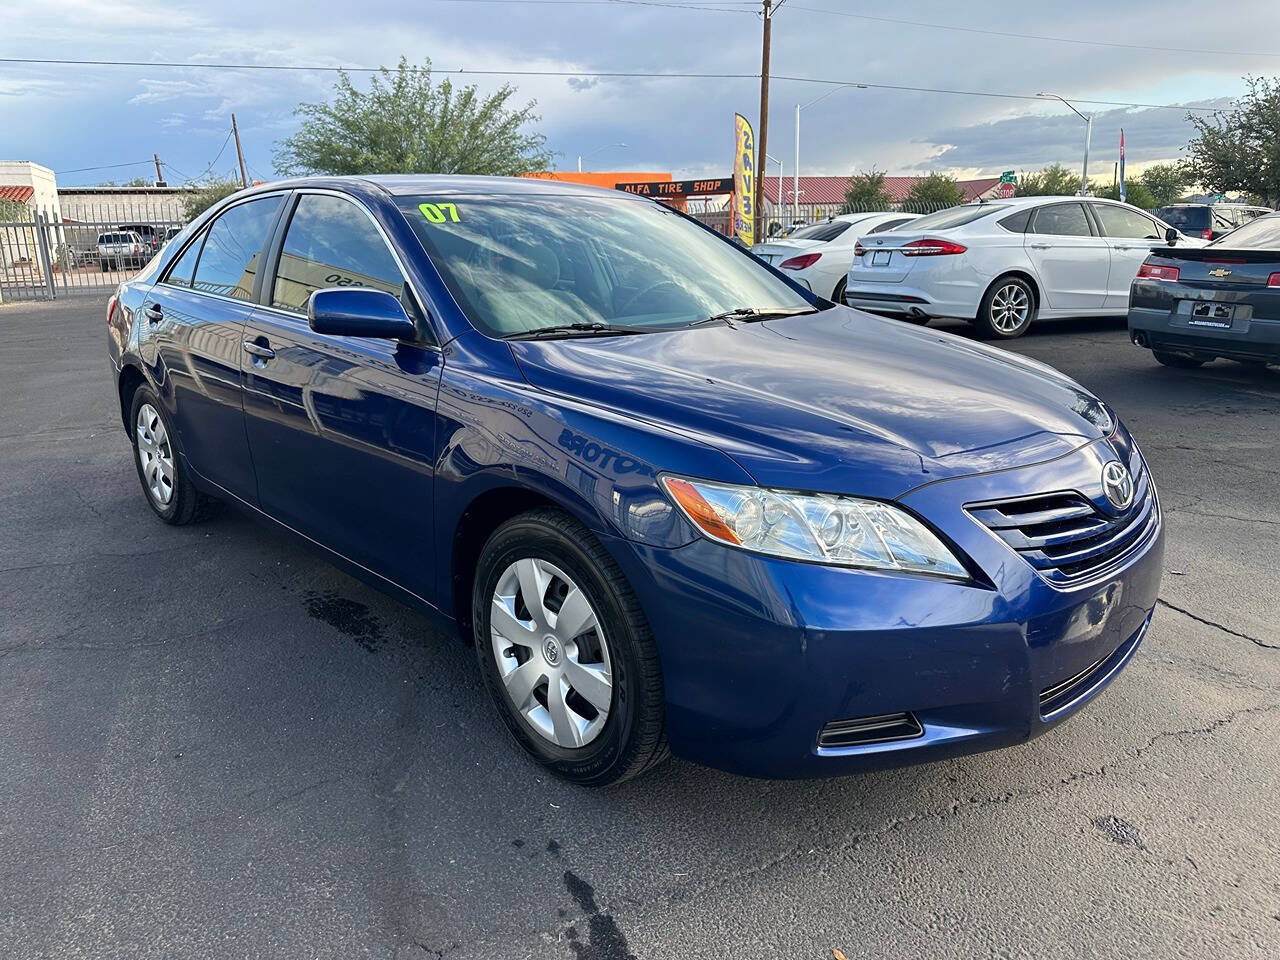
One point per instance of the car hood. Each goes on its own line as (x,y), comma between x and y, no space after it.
(838,401)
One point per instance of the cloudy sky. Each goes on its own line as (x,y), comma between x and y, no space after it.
(72,117)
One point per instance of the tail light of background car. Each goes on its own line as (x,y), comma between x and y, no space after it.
(858,248)
(932,248)
(111,306)
(1154,271)
(800,262)
(1273,280)
(1206,234)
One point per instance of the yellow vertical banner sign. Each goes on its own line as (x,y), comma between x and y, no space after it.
(744,180)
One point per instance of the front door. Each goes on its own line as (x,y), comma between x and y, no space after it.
(1070,261)
(342,429)
(196,315)
(1131,235)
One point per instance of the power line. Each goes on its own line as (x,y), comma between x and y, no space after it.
(105,166)
(601,74)
(1033,36)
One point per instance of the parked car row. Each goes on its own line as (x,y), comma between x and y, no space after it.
(1001,264)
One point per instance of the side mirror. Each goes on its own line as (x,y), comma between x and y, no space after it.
(359,312)
(1171,236)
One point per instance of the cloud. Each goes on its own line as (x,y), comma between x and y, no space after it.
(160,91)
(583,83)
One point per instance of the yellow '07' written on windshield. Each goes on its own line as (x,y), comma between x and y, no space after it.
(439,212)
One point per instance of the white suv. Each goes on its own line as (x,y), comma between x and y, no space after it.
(1001,264)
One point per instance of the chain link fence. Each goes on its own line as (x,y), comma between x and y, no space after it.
(43,257)
(780,222)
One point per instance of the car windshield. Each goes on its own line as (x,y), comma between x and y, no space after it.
(1186,219)
(954,216)
(1260,234)
(519,264)
(823,232)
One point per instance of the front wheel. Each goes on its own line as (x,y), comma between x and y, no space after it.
(565,651)
(1006,310)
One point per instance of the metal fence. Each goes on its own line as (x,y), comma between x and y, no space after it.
(43,257)
(777,222)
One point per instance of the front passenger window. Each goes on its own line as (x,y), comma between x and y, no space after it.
(331,243)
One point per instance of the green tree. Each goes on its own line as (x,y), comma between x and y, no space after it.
(1054,180)
(406,123)
(204,197)
(935,191)
(1136,193)
(866,192)
(1167,182)
(1239,149)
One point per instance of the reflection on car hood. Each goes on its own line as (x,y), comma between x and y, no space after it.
(837,401)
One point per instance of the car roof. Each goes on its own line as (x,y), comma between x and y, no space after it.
(402,185)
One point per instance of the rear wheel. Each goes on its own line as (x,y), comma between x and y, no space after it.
(1006,310)
(838,294)
(164,479)
(1178,360)
(566,652)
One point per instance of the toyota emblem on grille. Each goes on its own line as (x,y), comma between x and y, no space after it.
(1117,484)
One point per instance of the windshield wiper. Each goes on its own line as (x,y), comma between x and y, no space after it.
(577,329)
(755,314)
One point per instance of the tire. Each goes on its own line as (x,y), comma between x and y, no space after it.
(1176,360)
(613,657)
(104,266)
(837,295)
(1007,309)
(165,484)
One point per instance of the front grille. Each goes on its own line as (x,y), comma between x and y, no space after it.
(864,730)
(1065,692)
(1065,535)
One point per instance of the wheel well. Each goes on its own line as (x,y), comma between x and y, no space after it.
(1021,275)
(483,515)
(130,380)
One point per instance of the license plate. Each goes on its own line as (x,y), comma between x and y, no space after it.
(881,258)
(1209,314)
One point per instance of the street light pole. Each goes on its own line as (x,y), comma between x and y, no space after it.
(592,153)
(795,173)
(782,202)
(1088,135)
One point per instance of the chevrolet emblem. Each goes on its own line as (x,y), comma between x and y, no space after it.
(1220,273)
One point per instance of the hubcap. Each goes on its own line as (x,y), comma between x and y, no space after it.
(551,653)
(155,455)
(1010,308)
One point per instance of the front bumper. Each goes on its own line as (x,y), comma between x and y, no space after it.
(760,654)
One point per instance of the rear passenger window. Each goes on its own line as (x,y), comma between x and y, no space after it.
(1017,222)
(180,273)
(1062,220)
(331,243)
(233,249)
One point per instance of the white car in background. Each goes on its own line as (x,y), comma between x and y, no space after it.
(1001,264)
(820,254)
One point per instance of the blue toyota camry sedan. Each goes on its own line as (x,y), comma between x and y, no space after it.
(677,502)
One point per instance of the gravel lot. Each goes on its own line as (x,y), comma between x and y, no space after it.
(213,744)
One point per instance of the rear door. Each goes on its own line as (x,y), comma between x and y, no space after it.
(1131,235)
(1072,263)
(342,429)
(195,319)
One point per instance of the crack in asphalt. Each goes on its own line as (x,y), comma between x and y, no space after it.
(850,841)
(1210,623)
(1221,516)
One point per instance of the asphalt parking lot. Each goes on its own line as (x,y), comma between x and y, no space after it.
(213,744)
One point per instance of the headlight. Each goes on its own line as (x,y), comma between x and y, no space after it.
(843,531)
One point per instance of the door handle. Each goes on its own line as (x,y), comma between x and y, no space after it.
(153,312)
(258,350)
(1040,246)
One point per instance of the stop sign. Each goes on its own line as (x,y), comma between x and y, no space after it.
(1007,190)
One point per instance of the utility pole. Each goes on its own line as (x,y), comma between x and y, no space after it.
(762,137)
(244,181)
(159,175)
